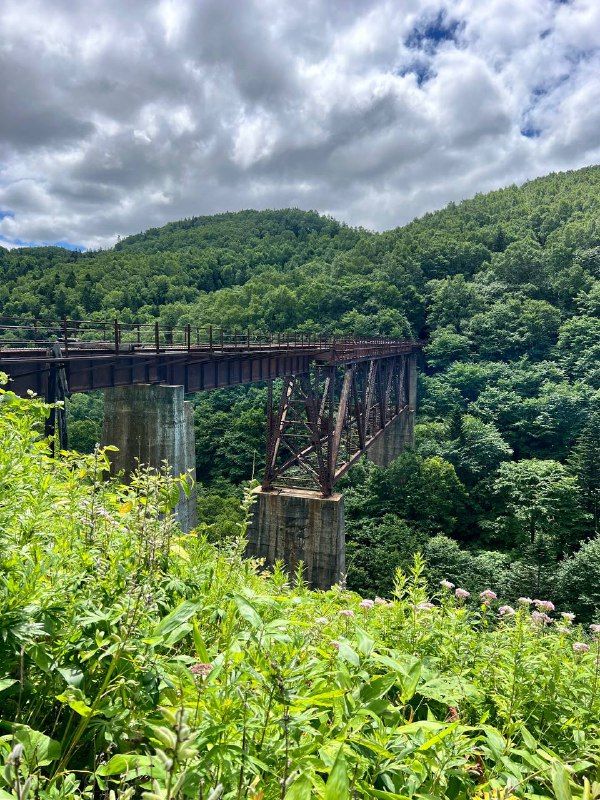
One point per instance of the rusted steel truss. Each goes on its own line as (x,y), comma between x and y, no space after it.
(324,420)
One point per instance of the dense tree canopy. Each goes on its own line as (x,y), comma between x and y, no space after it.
(505,287)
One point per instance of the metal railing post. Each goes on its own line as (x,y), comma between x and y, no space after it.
(156,337)
(116,335)
(65,334)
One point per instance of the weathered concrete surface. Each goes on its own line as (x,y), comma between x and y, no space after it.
(409,428)
(294,525)
(151,424)
(390,443)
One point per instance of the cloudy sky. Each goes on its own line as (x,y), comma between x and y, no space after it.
(117,116)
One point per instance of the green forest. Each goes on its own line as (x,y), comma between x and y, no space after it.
(462,657)
(504,484)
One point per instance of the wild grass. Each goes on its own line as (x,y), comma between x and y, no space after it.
(139,662)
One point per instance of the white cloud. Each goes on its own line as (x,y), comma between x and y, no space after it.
(115,117)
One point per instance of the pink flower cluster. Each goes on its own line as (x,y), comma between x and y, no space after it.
(462,594)
(568,616)
(539,618)
(366,603)
(524,601)
(580,647)
(595,628)
(506,611)
(201,669)
(446,584)
(544,605)
(424,606)
(346,612)
(487,595)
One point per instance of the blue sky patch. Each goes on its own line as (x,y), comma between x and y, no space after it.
(531,132)
(420,69)
(430,32)
(4,240)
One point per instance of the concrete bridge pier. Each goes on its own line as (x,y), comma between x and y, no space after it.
(399,435)
(150,424)
(293,525)
(390,443)
(411,410)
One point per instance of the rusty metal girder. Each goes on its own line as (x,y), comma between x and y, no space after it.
(326,418)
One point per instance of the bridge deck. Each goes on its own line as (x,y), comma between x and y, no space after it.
(198,367)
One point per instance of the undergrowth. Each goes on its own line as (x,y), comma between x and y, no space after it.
(139,662)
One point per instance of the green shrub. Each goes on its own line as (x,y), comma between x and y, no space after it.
(139,662)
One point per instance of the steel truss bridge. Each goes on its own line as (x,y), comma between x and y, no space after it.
(336,397)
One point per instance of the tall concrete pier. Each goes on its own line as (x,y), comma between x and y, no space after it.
(390,443)
(399,434)
(409,427)
(151,424)
(293,525)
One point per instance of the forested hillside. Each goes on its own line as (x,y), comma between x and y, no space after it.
(504,486)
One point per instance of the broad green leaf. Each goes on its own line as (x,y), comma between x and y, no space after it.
(410,681)
(374,747)
(177,617)
(72,676)
(247,611)
(449,690)
(199,644)
(346,653)
(124,762)
(364,642)
(300,789)
(376,687)
(6,682)
(337,786)
(439,736)
(495,740)
(115,766)
(528,740)
(380,795)
(322,699)
(179,551)
(78,705)
(560,782)
(40,750)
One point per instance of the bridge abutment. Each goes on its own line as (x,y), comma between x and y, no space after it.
(294,525)
(150,424)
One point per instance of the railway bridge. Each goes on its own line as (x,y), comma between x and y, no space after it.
(330,401)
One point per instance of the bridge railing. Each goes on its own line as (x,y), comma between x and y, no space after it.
(117,336)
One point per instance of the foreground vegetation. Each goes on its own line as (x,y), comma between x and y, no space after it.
(136,661)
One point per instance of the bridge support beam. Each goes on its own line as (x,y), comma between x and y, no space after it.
(389,444)
(151,424)
(294,525)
